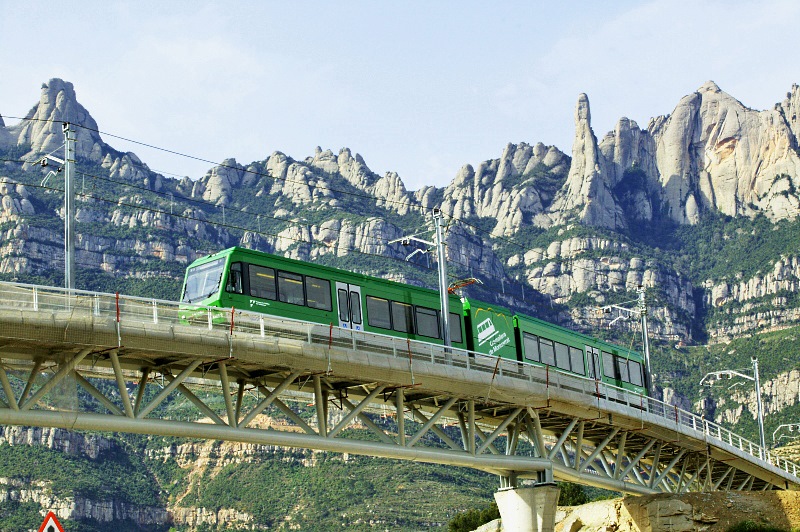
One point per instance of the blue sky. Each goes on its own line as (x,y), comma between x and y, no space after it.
(419,88)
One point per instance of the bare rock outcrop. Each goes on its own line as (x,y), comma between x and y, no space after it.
(73,507)
(587,193)
(710,154)
(689,512)
(715,153)
(512,190)
(104,511)
(42,129)
(597,267)
(14,200)
(784,277)
(790,110)
(218,183)
(71,443)
(759,302)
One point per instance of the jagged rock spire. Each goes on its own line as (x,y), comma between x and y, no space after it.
(586,189)
(713,153)
(57,104)
(790,108)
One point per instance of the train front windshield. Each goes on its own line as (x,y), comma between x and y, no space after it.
(203,281)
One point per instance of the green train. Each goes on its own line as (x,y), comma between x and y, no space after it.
(246,279)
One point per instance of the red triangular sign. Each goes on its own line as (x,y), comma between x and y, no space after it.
(51,524)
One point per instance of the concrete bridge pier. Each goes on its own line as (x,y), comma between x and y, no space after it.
(529,508)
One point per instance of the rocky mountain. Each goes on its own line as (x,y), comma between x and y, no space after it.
(712,154)
(700,207)
(550,234)
(564,233)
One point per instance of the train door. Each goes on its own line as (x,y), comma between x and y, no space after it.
(593,360)
(348,300)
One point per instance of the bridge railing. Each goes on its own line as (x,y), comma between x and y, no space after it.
(129,310)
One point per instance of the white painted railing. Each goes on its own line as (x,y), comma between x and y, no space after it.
(129,310)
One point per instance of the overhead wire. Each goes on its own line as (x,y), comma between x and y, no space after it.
(231,167)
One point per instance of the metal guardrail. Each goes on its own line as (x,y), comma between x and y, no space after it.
(130,309)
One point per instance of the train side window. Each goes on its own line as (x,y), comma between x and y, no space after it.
(355,307)
(562,356)
(427,322)
(234,285)
(262,282)
(622,368)
(318,292)
(576,360)
(403,317)
(290,288)
(635,372)
(608,365)
(455,328)
(547,351)
(530,344)
(378,313)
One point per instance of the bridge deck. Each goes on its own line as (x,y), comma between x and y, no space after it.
(579,429)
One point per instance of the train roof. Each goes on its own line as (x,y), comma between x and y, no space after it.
(319,267)
(469,303)
(591,340)
(523,318)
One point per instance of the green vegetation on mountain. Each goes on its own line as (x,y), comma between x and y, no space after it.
(357,494)
(112,476)
(15,515)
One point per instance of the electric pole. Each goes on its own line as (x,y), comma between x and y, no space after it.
(444,295)
(641,312)
(711,378)
(69,208)
(646,339)
(441,256)
(760,406)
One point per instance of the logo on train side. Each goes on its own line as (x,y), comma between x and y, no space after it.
(487,332)
(254,303)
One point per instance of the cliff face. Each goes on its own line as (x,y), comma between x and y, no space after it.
(65,503)
(712,154)
(759,302)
